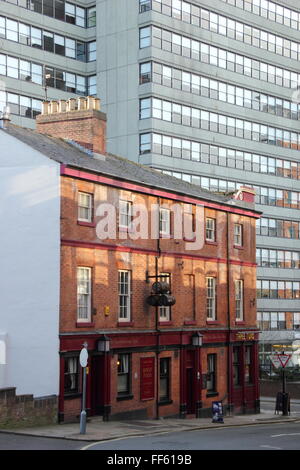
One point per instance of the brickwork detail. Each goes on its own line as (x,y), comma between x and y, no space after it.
(25,410)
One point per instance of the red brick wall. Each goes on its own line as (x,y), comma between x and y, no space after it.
(186,272)
(87,127)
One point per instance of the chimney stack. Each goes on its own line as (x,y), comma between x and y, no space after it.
(77,119)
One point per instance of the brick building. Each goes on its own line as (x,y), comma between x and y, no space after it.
(145,360)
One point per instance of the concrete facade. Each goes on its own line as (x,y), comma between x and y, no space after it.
(117,67)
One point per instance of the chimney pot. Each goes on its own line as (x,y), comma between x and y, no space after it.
(45,107)
(71,104)
(81,103)
(53,107)
(62,106)
(97,104)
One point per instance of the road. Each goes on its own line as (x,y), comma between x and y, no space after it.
(280,436)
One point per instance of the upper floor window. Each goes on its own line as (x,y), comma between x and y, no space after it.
(211,298)
(165,311)
(145,37)
(85,207)
(84,294)
(91,17)
(125,214)
(239,299)
(164,222)
(238,234)
(124,287)
(210,229)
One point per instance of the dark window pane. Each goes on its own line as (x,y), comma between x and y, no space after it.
(80,51)
(48,41)
(48,8)
(60,10)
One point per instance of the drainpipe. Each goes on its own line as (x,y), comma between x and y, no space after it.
(156,317)
(229,355)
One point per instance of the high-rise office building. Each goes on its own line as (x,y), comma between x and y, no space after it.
(202,90)
(47,51)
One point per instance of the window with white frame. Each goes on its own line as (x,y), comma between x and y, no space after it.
(211,298)
(125,214)
(239,299)
(164,221)
(165,311)
(123,374)
(85,207)
(124,284)
(71,375)
(210,226)
(238,234)
(84,294)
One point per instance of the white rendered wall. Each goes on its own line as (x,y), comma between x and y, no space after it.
(29,260)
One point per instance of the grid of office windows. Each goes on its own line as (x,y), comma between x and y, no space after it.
(60,10)
(20,105)
(277,197)
(41,39)
(285,259)
(217,90)
(213,122)
(271,289)
(270,10)
(278,228)
(271,320)
(265,196)
(278,320)
(184,46)
(229,27)
(44,75)
(215,155)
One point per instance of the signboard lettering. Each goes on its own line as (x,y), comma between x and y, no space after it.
(147,378)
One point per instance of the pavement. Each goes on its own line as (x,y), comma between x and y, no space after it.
(98,430)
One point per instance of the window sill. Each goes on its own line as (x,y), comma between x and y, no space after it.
(189,239)
(239,247)
(240,322)
(124,397)
(86,224)
(165,323)
(165,402)
(70,396)
(190,322)
(85,324)
(212,394)
(125,323)
(212,322)
(207,242)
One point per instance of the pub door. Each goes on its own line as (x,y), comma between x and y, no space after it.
(190,392)
(97,388)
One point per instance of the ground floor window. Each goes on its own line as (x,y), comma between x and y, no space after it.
(236,366)
(71,375)
(164,382)
(211,372)
(123,374)
(248,363)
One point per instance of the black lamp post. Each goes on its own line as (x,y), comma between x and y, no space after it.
(197,341)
